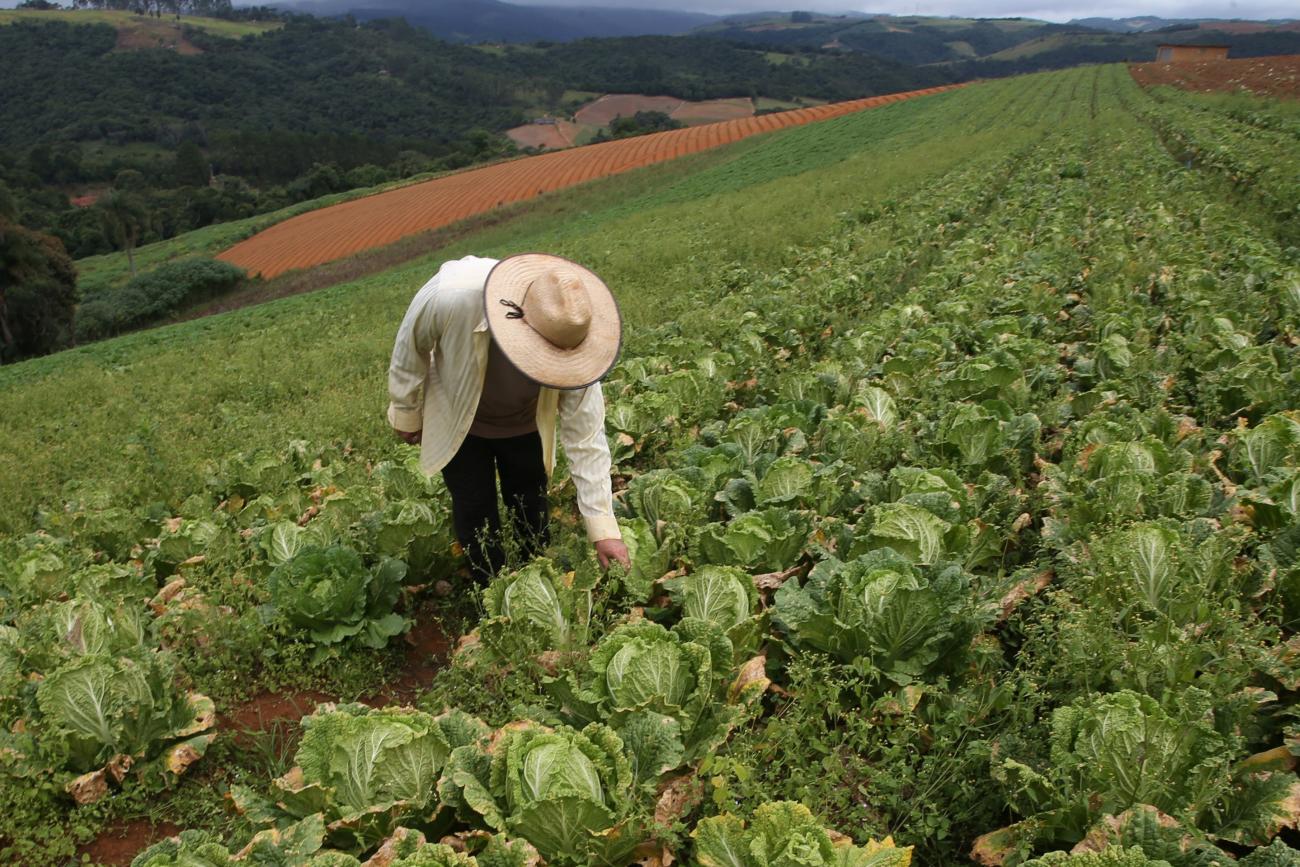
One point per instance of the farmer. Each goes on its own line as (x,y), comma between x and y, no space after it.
(488,355)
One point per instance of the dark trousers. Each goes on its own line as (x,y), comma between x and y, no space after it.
(471,477)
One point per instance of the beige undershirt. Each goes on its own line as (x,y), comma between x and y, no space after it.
(508,405)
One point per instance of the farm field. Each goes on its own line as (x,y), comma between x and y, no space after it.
(602,111)
(333,233)
(1259,76)
(963,527)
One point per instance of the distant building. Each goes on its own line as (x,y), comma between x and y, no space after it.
(1169,53)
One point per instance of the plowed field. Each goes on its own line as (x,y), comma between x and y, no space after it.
(603,111)
(551,136)
(714,110)
(361,224)
(1264,76)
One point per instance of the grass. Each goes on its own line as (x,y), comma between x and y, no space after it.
(95,273)
(141,415)
(217,26)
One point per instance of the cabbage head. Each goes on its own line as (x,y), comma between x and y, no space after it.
(88,699)
(727,598)
(668,693)
(365,770)
(537,600)
(786,834)
(329,592)
(1124,755)
(567,792)
(882,613)
(762,541)
(299,846)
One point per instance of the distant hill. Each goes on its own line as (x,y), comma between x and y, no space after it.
(983,47)
(494,21)
(1150,23)
(908,39)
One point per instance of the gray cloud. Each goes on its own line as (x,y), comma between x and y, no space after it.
(1251,9)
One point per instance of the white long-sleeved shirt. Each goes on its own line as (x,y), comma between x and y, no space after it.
(436,377)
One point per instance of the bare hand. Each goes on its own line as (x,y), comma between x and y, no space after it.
(612,550)
(411,438)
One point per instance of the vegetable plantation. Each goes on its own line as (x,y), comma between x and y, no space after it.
(972,532)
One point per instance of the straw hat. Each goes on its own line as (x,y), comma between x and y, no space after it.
(555,320)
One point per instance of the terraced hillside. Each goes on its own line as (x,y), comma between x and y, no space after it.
(963,528)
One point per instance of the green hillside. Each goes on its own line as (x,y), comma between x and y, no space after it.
(955,443)
(985,47)
(129,23)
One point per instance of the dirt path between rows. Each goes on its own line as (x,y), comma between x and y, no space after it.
(427,650)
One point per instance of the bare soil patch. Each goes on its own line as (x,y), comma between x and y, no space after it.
(1262,76)
(1249,26)
(552,136)
(603,111)
(713,110)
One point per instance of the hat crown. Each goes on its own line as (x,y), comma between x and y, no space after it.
(558,307)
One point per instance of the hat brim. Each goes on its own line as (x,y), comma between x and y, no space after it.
(535,356)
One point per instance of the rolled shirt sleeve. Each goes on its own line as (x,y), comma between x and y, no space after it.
(582,433)
(416,339)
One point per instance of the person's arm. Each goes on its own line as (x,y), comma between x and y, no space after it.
(416,338)
(582,433)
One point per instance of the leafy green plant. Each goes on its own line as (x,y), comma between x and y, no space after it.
(882,614)
(331,594)
(769,540)
(95,703)
(669,694)
(365,771)
(1121,750)
(786,833)
(569,793)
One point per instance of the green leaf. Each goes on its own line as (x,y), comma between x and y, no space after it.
(912,531)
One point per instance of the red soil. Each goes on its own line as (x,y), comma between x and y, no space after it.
(1249,26)
(427,651)
(123,840)
(1263,76)
(341,230)
(605,109)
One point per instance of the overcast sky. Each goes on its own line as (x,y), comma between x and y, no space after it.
(1049,11)
(1064,10)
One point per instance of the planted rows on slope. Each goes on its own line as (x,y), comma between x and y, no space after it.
(1063,369)
(341,230)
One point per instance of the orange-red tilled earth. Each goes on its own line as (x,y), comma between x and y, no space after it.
(1263,76)
(362,224)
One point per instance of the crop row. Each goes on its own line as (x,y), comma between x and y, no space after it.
(1255,153)
(351,227)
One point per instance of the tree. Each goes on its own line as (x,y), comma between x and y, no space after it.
(38,289)
(124,218)
(190,168)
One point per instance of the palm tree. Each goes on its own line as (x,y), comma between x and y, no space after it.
(124,218)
